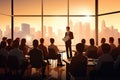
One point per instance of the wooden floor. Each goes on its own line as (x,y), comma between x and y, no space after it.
(53,72)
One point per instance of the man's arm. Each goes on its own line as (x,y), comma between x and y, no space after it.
(71,35)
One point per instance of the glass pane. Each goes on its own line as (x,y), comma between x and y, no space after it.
(82,7)
(27,7)
(29,28)
(82,28)
(55,7)
(5,7)
(5,26)
(106,6)
(54,27)
(109,26)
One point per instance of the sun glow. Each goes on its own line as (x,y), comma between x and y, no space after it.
(28,38)
(87,18)
(87,14)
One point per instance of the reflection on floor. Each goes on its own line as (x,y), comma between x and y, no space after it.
(53,71)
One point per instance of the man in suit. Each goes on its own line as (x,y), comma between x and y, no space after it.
(68,42)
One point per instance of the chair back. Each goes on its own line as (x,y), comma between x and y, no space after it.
(35,60)
(52,53)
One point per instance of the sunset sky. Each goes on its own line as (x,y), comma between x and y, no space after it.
(59,7)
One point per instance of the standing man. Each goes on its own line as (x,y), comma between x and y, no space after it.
(67,39)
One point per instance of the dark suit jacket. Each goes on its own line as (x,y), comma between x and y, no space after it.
(78,65)
(71,37)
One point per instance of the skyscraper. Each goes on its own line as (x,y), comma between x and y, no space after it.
(25,28)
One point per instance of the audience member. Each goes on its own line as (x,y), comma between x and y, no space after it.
(78,63)
(91,50)
(23,63)
(44,49)
(3,50)
(37,57)
(56,55)
(23,46)
(116,51)
(9,46)
(111,42)
(83,41)
(104,58)
(4,39)
(99,51)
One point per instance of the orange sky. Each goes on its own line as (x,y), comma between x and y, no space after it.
(59,7)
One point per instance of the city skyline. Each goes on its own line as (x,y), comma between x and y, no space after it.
(53,7)
(80,30)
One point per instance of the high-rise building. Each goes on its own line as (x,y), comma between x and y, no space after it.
(25,28)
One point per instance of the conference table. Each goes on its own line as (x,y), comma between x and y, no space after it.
(90,66)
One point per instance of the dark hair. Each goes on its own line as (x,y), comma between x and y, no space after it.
(52,40)
(35,43)
(3,44)
(41,40)
(111,39)
(92,41)
(9,41)
(23,41)
(67,27)
(103,40)
(4,38)
(15,43)
(79,47)
(105,48)
(83,41)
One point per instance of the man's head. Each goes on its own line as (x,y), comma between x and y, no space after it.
(111,40)
(80,47)
(103,40)
(67,28)
(41,40)
(35,43)
(52,40)
(105,48)
(92,41)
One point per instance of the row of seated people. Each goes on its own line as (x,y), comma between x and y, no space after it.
(36,54)
(50,53)
(105,68)
(94,52)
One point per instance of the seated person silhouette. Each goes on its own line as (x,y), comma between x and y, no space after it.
(23,63)
(104,65)
(44,49)
(78,65)
(37,58)
(91,51)
(53,52)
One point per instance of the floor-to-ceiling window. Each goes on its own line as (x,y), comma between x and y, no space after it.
(34,19)
(81,20)
(5,18)
(27,19)
(109,21)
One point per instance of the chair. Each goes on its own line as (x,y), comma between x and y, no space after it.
(52,54)
(13,65)
(37,63)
